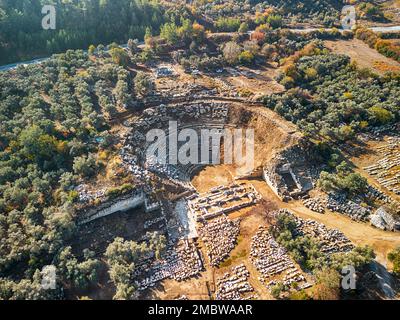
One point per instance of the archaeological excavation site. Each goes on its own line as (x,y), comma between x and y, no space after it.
(225,227)
(200,150)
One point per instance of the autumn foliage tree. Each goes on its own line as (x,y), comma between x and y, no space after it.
(327,285)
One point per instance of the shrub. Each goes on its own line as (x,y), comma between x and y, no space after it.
(380,115)
(394,258)
(246,57)
(85,166)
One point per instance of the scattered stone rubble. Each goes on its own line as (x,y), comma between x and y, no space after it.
(180,262)
(219,236)
(331,240)
(338,202)
(376,194)
(387,169)
(86,195)
(154,221)
(225,88)
(222,200)
(272,260)
(234,285)
(378,132)
(165,71)
(317,204)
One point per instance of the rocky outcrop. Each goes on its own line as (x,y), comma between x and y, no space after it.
(383,220)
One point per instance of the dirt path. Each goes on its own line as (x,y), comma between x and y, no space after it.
(365,56)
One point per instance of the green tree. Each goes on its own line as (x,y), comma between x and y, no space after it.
(91,50)
(143,83)
(120,56)
(80,274)
(122,258)
(355,183)
(275,21)
(276,290)
(85,166)
(327,285)
(244,27)
(37,144)
(169,32)
(380,115)
(394,258)
(246,57)
(231,52)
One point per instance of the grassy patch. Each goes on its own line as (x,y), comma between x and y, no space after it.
(228,262)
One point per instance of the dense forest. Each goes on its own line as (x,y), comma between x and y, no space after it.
(324,12)
(92,22)
(78,25)
(53,133)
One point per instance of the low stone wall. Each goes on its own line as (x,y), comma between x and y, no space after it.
(272,184)
(119,205)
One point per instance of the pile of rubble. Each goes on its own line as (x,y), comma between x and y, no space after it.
(387,169)
(234,285)
(150,223)
(338,202)
(86,195)
(331,240)
(271,260)
(222,200)
(376,194)
(180,262)
(226,89)
(165,71)
(385,129)
(130,162)
(219,236)
(317,204)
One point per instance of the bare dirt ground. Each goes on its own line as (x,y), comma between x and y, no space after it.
(259,82)
(365,56)
(392,9)
(249,82)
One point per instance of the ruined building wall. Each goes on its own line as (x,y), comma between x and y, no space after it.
(122,204)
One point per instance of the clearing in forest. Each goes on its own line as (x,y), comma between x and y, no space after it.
(363,55)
